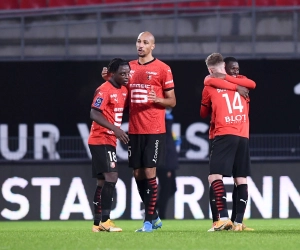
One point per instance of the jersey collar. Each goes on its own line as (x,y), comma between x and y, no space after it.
(147,62)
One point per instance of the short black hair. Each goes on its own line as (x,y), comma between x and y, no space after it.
(230,59)
(115,63)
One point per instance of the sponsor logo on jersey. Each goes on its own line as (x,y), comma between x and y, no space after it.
(114,97)
(98,102)
(168,82)
(140,85)
(151,73)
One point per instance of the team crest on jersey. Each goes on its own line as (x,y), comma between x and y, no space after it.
(149,77)
(112,164)
(98,102)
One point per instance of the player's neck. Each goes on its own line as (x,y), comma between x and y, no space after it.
(143,60)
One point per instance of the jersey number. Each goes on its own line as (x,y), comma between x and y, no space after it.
(236,104)
(139,95)
(118,119)
(112,156)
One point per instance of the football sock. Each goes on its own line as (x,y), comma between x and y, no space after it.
(234,203)
(213,207)
(106,199)
(220,197)
(142,186)
(150,197)
(97,205)
(242,198)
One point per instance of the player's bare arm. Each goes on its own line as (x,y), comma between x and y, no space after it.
(98,117)
(168,101)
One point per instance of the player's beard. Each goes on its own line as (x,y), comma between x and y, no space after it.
(141,55)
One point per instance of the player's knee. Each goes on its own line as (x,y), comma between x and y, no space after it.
(150,173)
(111,177)
(139,174)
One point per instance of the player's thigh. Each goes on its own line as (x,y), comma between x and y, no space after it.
(242,165)
(210,141)
(104,159)
(154,154)
(223,150)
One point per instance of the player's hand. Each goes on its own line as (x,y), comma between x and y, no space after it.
(243,91)
(152,95)
(105,75)
(121,135)
(218,75)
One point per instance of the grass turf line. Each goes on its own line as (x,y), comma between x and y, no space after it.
(176,234)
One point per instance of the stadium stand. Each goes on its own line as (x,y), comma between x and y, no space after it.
(61,3)
(263,2)
(287,2)
(88,2)
(203,4)
(233,2)
(9,4)
(33,4)
(113,1)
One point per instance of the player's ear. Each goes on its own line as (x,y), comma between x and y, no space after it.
(153,46)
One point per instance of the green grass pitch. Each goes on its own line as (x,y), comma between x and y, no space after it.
(175,234)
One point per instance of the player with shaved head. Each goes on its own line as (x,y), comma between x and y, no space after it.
(151,91)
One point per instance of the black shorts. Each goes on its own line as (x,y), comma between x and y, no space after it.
(147,150)
(230,156)
(104,160)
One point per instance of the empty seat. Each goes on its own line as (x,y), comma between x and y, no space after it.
(145,6)
(9,4)
(61,3)
(203,3)
(287,2)
(168,5)
(33,4)
(233,2)
(87,2)
(263,2)
(114,1)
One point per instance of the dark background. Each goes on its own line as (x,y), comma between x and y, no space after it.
(61,93)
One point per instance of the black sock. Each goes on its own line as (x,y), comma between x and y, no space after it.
(150,198)
(97,206)
(213,206)
(142,186)
(242,199)
(220,197)
(234,203)
(106,199)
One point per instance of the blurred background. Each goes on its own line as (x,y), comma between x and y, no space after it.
(51,57)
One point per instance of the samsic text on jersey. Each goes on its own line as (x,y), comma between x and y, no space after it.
(146,117)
